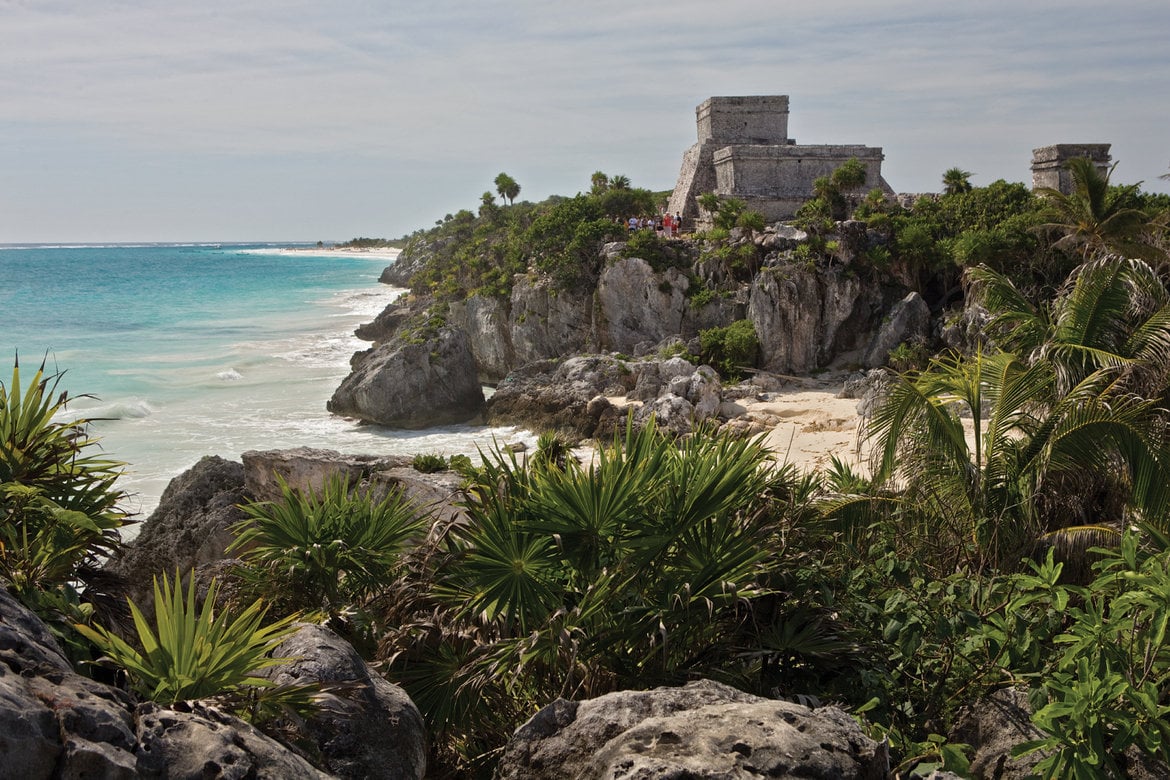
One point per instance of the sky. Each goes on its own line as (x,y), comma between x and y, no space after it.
(299,120)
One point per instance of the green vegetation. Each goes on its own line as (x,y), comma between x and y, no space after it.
(371,243)
(194,653)
(561,237)
(1011,529)
(429,463)
(328,550)
(59,512)
(730,350)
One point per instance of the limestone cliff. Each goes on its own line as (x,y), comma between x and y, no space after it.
(806,314)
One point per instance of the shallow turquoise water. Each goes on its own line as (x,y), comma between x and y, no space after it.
(191,350)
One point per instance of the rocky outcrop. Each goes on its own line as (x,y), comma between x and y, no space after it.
(200,741)
(908,321)
(638,304)
(702,730)
(548,323)
(406,384)
(378,733)
(486,323)
(189,528)
(558,396)
(308,469)
(55,723)
(572,396)
(806,317)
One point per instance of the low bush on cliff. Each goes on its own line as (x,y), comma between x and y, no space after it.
(330,549)
(731,350)
(471,254)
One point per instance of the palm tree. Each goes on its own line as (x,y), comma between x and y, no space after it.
(599,182)
(620,182)
(981,494)
(1096,218)
(956,181)
(507,187)
(1110,314)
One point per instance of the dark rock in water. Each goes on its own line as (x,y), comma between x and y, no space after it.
(380,734)
(189,527)
(413,385)
(702,730)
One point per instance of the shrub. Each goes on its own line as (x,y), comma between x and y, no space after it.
(58,505)
(729,350)
(429,463)
(751,220)
(328,550)
(908,356)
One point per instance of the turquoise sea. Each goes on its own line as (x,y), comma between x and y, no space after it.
(197,349)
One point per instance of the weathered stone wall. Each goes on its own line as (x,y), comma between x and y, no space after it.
(761,119)
(744,152)
(788,171)
(1048,164)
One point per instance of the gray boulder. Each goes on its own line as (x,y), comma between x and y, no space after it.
(403,384)
(908,321)
(189,528)
(805,318)
(555,395)
(308,469)
(380,734)
(702,730)
(639,304)
(55,723)
(199,741)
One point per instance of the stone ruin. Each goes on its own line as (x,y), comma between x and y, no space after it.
(1048,164)
(744,152)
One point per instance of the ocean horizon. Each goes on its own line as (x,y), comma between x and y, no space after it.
(181,350)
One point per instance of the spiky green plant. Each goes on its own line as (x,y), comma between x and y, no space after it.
(328,549)
(59,513)
(193,653)
(631,570)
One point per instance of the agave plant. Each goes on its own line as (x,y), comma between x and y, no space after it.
(193,653)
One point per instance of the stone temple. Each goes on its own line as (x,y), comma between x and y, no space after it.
(1049,164)
(744,152)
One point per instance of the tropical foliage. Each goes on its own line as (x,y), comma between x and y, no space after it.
(574,580)
(327,549)
(190,652)
(59,513)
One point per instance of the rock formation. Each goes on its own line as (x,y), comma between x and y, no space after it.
(408,384)
(702,730)
(189,527)
(54,723)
